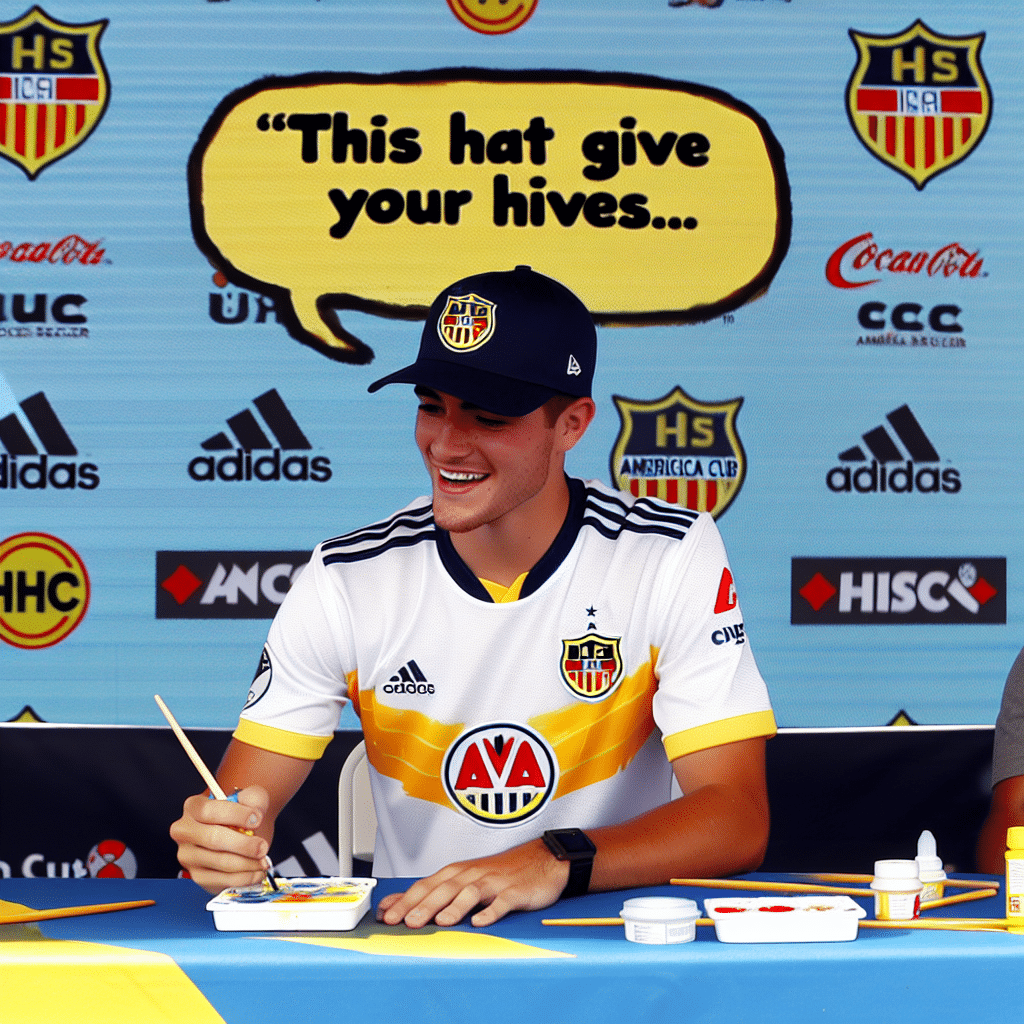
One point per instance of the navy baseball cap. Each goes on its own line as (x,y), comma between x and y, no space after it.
(505,341)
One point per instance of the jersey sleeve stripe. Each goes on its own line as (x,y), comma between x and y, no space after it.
(359,555)
(281,741)
(413,519)
(728,730)
(611,517)
(640,507)
(626,526)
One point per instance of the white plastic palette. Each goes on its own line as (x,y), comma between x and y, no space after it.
(785,919)
(299,904)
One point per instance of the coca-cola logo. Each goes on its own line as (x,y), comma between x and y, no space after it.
(69,249)
(855,262)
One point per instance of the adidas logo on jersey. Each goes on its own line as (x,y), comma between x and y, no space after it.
(245,462)
(408,679)
(24,466)
(889,469)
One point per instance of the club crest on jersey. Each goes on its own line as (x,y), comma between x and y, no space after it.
(918,101)
(591,666)
(680,450)
(260,681)
(54,88)
(500,774)
(467,322)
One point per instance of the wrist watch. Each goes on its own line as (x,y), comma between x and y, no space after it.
(575,846)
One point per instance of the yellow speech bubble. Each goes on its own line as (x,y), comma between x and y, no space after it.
(655,201)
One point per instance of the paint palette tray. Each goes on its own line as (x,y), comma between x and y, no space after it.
(785,919)
(298,905)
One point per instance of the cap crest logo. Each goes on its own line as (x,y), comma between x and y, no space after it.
(467,322)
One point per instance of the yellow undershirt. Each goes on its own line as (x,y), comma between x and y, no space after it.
(504,595)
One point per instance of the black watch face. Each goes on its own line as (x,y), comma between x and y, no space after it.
(573,840)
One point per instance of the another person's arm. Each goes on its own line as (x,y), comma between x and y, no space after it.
(718,827)
(1007,774)
(210,845)
(1007,809)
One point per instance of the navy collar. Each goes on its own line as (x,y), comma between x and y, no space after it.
(545,567)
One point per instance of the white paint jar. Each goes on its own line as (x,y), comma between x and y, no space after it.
(659,920)
(898,889)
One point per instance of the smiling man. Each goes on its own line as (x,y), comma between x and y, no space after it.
(535,659)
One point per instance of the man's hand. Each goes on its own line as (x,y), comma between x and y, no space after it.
(526,877)
(209,833)
(212,844)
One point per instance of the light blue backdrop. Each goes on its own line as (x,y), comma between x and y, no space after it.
(157,376)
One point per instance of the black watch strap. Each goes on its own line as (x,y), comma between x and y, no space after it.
(575,846)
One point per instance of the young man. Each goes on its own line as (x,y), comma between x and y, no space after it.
(534,659)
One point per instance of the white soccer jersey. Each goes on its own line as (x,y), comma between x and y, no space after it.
(487,723)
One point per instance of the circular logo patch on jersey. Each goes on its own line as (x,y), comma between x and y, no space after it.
(467,322)
(500,774)
(44,590)
(260,681)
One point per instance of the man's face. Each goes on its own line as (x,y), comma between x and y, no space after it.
(482,466)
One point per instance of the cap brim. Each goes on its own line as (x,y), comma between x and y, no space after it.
(491,392)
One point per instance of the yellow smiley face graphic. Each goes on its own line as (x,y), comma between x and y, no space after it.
(492,17)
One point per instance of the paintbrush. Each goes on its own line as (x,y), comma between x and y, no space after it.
(840,876)
(28,917)
(592,921)
(953,924)
(208,776)
(963,897)
(752,886)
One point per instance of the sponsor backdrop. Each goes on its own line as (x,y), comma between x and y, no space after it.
(797,224)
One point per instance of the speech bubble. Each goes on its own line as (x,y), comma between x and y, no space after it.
(656,201)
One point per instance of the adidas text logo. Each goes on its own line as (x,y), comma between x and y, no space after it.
(889,468)
(24,465)
(409,679)
(250,439)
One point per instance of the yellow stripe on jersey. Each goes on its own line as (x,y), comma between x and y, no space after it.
(612,731)
(504,595)
(407,746)
(281,741)
(714,734)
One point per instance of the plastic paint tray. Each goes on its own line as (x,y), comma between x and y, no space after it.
(786,919)
(300,905)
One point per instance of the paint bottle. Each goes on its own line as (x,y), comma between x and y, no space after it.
(897,890)
(929,868)
(1015,878)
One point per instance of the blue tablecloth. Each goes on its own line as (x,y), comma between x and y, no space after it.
(250,978)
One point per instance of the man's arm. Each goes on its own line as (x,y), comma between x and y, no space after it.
(210,845)
(718,827)
(1007,809)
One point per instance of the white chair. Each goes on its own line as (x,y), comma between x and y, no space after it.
(357,820)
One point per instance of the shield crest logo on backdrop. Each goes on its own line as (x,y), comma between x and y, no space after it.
(54,88)
(919,101)
(683,451)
